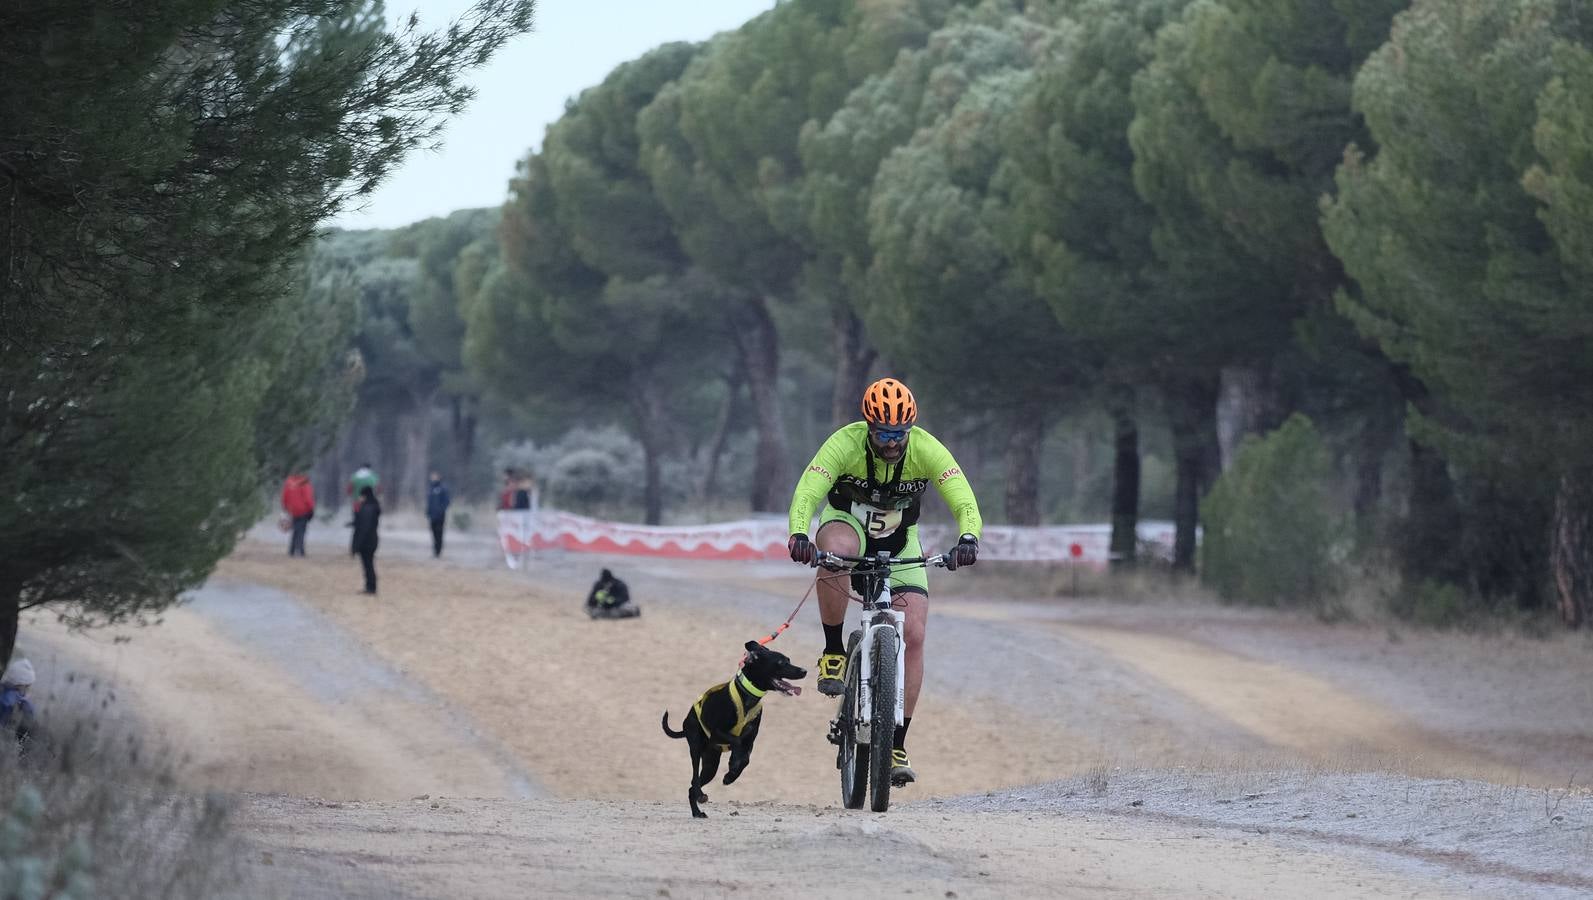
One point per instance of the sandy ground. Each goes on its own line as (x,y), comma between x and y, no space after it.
(1067,747)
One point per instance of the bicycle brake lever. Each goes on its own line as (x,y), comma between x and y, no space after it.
(822,560)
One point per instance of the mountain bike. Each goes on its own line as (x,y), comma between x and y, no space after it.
(872,704)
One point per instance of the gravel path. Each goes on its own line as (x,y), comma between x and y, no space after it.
(470,733)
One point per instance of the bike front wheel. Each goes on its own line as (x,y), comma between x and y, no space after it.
(882,729)
(852,758)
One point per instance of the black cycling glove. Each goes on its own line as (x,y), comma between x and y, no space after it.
(966,553)
(801,549)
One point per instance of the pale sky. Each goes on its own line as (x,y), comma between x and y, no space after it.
(522,91)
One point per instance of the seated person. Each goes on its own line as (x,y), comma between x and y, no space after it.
(609,597)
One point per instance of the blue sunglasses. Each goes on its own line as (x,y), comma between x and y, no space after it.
(889,435)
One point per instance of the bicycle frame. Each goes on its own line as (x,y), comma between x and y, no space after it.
(876,615)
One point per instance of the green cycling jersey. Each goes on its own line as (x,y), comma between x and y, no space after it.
(883,496)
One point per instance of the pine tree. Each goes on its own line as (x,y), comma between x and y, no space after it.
(164,166)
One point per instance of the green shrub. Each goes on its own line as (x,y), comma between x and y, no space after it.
(1435,604)
(1272,532)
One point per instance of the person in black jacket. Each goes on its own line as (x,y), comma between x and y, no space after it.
(437,501)
(610,598)
(365,539)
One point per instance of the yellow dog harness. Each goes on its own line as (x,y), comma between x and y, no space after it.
(744,713)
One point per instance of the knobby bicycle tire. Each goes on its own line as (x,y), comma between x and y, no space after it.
(852,759)
(883,729)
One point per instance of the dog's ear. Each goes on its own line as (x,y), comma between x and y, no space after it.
(753,646)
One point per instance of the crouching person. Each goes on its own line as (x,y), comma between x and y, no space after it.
(610,599)
(16,710)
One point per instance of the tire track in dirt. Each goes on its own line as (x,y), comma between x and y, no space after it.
(264,694)
(1292,710)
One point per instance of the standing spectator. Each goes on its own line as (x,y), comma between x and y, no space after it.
(16,710)
(363,477)
(298,502)
(511,484)
(366,519)
(437,500)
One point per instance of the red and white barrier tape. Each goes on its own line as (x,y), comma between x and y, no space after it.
(523,531)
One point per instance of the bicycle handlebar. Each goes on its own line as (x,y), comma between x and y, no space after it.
(837,561)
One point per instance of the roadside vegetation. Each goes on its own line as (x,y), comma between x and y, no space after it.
(92,810)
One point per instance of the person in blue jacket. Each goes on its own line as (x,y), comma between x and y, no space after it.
(437,501)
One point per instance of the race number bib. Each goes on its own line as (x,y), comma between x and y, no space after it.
(877,522)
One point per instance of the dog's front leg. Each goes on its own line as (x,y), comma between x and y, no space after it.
(706,766)
(741,753)
(738,762)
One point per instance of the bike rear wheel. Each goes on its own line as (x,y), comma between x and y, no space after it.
(882,730)
(852,759)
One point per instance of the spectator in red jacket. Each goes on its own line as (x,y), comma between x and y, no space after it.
(298,503)
(516,493)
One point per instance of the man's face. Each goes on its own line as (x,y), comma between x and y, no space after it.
(889,441)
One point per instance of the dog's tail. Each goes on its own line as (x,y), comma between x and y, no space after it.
(673,734)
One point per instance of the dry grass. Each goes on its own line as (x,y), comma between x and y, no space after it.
(92,811)
(1147,584)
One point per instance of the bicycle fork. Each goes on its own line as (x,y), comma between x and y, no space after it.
(863,716)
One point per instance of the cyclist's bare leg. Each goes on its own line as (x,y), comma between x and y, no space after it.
(917,608)
(834,588)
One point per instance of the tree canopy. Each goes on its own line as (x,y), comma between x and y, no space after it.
(1155,226)
(163,175)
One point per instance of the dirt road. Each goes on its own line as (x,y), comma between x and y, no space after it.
(1067,747)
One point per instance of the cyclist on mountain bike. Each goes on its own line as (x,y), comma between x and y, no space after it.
(874,475)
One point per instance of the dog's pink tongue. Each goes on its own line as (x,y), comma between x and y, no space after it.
(786,687)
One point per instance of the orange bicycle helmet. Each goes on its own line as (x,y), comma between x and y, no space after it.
(889,402)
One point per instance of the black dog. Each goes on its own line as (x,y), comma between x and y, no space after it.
(726,717)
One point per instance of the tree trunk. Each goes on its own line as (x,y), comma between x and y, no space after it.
(1125,487)
(653,480)
(388,442)
(1192,414)
(10,617)
(462,433)
(655,430)
(1024,436)
(1428,537)
(328,478)
(759,346)
(853,356)
(1571,553)
(1247,403)
(1369,474)
(1083,463)
(716,446)
(416,447)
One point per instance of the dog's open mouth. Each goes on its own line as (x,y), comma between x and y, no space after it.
(786,687)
